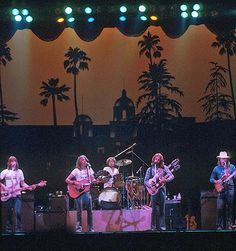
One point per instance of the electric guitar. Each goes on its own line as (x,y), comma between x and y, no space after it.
(155,183)
(76,191)
(219,186)
(11,192)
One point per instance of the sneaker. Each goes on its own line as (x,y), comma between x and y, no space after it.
(91,230)
(78,228)
(219,228)
(163,228)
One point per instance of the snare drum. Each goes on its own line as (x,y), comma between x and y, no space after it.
(109,198)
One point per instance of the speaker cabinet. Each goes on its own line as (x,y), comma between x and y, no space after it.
(208,210)
(50,221)
(59,203)
(173,215)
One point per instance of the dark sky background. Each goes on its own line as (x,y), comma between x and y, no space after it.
(115,64)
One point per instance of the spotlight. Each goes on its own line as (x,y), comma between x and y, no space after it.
(25,12)
(183,7)
(88,10)
(122,18)
(91,19)
(142,8)
(68,10)
(194,14)
(184,14)
(123,9)
(153,18)
(29,19)
(60,20)
(143,18)
(196,7)
(71,19)
(15,12)
(18,18)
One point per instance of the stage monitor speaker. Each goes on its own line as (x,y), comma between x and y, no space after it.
(59,203)
(50,221)
(173,213)
(208,210)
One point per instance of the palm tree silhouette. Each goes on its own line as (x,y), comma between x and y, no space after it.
(216,104)
(51,89)
(156,84)
(5,55)
(226,42)
(76,61)
(7,115)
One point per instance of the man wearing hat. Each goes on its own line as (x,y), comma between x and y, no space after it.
(223,177)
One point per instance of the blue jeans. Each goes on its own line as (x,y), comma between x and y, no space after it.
(85,200)
(158,209)
(225,208)
(13,204)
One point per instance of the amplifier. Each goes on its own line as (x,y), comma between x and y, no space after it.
(59,203)
(173,215)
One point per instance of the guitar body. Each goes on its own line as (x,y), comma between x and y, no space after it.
(75,191)
(154,182)
(219,187)
(6,195)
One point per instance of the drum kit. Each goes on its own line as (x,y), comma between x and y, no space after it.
(125,191)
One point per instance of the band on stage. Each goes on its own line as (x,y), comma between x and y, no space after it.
(111,189)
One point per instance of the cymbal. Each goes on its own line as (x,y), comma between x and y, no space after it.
(102,173)
(123,162)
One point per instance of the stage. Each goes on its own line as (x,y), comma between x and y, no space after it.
(132,240)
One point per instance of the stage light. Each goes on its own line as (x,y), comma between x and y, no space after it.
(122,18)
(196,7)
(123,9)
(153,18)
(60,20)
(194,14)
(184,14)
(71,19)
(68,10)
(91,19)
(25,12)
(183,7)
(143,18)
(88,10)
(18,18)
(29,19)
(142,8)
(15,12)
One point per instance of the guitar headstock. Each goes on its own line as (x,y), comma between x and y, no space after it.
(175,164)
(42,183)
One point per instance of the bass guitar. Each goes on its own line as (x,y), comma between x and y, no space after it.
(219,185)
(11,192)
(155,183)
(76,191)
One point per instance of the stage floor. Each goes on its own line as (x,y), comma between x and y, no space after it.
(138,240)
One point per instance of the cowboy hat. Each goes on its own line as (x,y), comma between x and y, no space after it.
(223,155)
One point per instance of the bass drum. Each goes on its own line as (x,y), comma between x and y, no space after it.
(109,199)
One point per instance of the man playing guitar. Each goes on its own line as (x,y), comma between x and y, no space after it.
(163,174)
(13,179)
(223,176)
(79,181)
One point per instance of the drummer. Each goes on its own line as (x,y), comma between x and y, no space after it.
(112,170)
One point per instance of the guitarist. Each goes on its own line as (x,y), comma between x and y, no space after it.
(158,200)
(82,174)
(225,196)
(12,178)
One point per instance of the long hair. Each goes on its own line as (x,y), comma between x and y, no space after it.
(78,161)
(227,162)
(162,159)
(10,160)
(108,160)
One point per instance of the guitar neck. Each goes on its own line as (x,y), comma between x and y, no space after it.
(231,175)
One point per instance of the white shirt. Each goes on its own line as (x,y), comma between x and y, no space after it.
(12,178)
(82,174)
(112,172)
